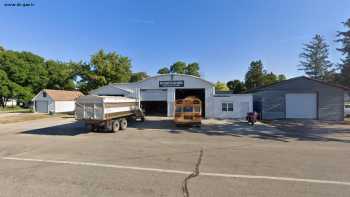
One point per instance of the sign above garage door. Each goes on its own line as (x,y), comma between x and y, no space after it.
(174,83)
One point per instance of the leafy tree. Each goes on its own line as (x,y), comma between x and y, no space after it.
(182,68)
(220,86)
(255,75)
(270,78)
(178,67)
(281,77)
(164,70)
(61,75)
(24,69)
(9,89)
(22,94)
(5,93)
(139,76)
(104,68)
(236,86)
(315,60)
(192,69)
(344,39)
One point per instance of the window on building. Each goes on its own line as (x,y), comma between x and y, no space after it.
(44,94)
(227,107)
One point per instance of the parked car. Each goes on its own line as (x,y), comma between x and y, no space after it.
(347,110)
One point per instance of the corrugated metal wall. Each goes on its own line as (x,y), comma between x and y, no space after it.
(271,100)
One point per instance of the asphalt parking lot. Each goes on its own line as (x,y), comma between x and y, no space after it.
(57,157)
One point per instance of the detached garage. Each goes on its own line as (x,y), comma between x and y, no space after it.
(56,101)
(300,98)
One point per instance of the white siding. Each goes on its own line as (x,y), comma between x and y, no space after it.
(52,106)
(64,106)
(242,104)
(39,97)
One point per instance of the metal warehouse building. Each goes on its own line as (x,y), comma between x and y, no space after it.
(157,95)
(300,98)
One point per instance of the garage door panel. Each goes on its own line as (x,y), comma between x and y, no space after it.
(41,106)
(303,106)
(153,95)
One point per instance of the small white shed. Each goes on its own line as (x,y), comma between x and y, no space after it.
(230,106)
(55,101)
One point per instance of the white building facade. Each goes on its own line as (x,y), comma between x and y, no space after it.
(157,95)
(55,101)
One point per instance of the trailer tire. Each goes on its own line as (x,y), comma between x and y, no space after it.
(115,126)
(123,124)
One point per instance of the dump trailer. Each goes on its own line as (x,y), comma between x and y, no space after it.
(110,113)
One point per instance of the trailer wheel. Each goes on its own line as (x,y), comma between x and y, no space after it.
(115,126)
(123,124)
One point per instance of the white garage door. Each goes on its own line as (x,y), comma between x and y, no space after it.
(64,106)
(41,106)
(153,95)
(301,106)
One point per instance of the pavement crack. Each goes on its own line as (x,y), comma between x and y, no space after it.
(192,175)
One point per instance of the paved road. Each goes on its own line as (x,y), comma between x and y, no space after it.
(57,157)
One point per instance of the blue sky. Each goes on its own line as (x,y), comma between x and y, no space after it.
(223,36)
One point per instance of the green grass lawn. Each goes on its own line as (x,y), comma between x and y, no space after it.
(16,109)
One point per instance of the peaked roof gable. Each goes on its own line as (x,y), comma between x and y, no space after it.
(62,95)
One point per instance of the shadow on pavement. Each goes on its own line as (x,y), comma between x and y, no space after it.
(281,130)
(232,128)
(70,129)
(312,130)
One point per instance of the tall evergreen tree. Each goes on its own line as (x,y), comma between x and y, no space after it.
(255,75)
(344,39)
(315,62)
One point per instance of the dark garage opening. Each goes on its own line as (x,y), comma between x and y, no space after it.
(199,93)
(154,108)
